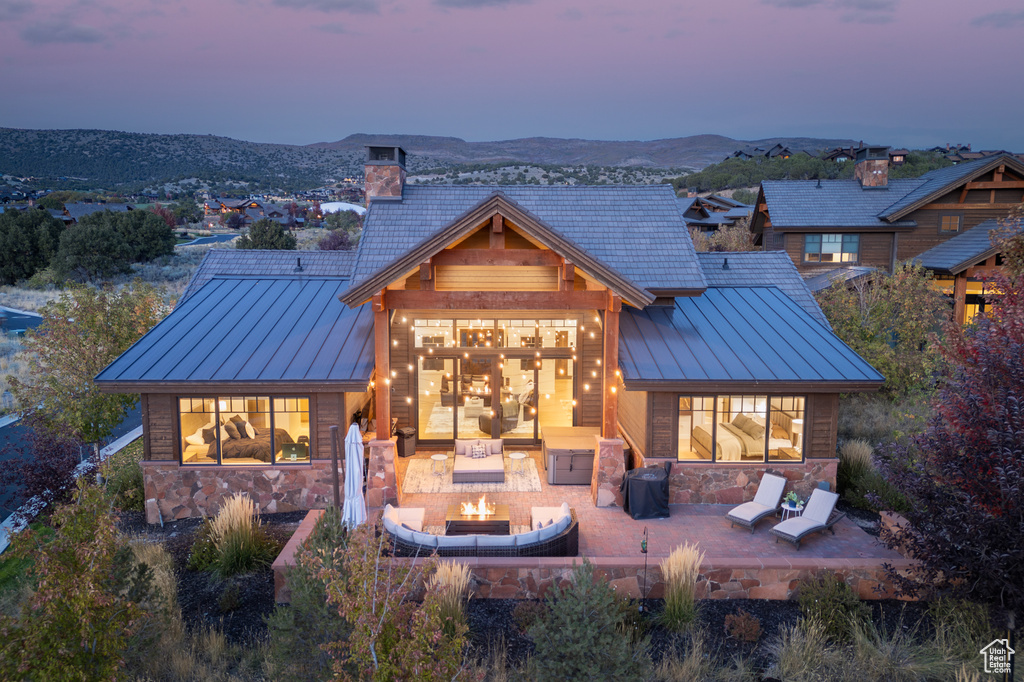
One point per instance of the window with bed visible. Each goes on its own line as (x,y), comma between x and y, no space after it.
(244,430)
(741,428)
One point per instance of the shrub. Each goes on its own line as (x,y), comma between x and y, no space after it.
(203,555)
(829,602)
(679,571)
(861,484)
(300,631)
(854,463)
(335,240)
(526,613)
(230,598)
(579,637)
(897,656)
(241,542)
(123,478)
(266,234)
(959,626)
(85,611)
(800,653)
(449,583)
(878,420)
(743,626)
(28,240)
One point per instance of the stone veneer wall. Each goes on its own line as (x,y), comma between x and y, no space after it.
(381,479)
(609,468)
(178,492)
(735,483)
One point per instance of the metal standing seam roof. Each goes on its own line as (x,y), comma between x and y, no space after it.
(835,203)
(636,231)
(735,335)
(268,263)
(962,251)
(759,269)
(255,329)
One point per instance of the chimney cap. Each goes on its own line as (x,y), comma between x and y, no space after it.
(385,155)
(873,154)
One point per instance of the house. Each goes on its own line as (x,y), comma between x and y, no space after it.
(872,221)
(74,212)
(471,311)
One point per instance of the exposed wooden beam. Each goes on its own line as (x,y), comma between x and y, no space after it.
(382,362)
(610,362)
(960,207)
(515,257)
(497,300)
(568,276)
(1006,184)
(497,232)
(427,275)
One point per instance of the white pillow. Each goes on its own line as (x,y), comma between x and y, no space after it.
(196,438)
(250,430)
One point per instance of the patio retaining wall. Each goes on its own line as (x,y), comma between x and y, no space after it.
(720,578)
(178,492)
(698,483)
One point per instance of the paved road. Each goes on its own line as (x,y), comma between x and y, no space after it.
(15,321)
(14,433)
(213,239)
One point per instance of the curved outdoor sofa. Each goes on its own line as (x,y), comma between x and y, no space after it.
(560,538)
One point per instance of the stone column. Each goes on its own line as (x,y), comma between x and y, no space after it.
(381,481)
(609,468)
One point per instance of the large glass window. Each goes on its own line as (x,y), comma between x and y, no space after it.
(741,428)
(240,430)
(831,248)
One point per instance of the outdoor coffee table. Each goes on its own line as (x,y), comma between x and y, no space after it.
(492,524)
(518,465)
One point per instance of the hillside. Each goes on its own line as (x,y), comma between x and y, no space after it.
(92,159)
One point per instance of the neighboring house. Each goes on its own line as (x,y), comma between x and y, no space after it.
(218,205)
(830,226)
(74,212)
(472,310)
(711,213)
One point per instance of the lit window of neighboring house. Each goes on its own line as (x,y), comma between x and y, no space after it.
(949,222)
(831,248)
(897,159)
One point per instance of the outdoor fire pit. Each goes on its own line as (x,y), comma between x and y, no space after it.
(484,518)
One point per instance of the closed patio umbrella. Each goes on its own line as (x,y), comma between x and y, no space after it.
(353,512)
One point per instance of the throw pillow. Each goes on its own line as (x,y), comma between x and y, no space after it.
(478,451)
(538,525)
(250,430)
(232,430)
(779,432)
(242,431)
(407,526)
(209,435)
(237,419)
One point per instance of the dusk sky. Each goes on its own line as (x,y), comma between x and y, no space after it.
(899,72)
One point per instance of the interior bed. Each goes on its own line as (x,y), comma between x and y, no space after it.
(743,438)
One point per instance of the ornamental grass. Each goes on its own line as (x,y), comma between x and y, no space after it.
(240,541)
(679,571)
(450,584)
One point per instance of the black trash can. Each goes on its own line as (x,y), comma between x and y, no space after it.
(406,441)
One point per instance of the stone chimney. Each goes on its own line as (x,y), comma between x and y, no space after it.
(872,167)
(385,173)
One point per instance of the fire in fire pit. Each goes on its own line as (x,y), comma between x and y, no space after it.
(480,509)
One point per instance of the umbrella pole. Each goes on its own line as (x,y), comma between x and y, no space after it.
(334,467)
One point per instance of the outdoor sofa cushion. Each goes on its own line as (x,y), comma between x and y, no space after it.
(494,445)
(410,516)
(541,515)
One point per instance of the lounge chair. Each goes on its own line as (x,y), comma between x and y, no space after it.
(766,502)
(819,514)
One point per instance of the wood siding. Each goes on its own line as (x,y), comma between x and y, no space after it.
(496,278)
(589,403)
(875,251)
(161,427)
(402,381)
(821,422)
(664,418)
(926,234)
(633,418)
(328,410)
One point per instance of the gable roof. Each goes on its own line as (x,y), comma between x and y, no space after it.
(833,203)
(962,251)
(79,210)
(267,330)
(939,181)
(750,339)
(632,239)
(759,269)
(262,262)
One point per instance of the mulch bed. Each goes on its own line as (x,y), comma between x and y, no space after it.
(869,521)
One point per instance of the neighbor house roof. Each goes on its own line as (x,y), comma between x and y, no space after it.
(937,182)
(833,203)
(844,274)
(80,210)
(962,251)
(282,333)
(761,268)
(636,232)
(743,339)
(271,263)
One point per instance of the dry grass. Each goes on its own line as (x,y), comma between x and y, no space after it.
(679,571)
(801,653)
(14,362)
(450,583)
(24,298)
(897,656)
